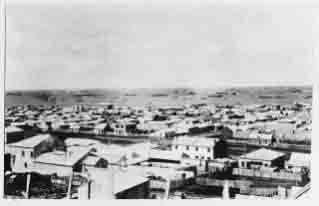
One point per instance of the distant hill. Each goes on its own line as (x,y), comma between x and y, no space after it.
(50,97)
(11,100)
(173,96)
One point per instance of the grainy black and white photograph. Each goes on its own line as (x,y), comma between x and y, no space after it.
(157,100)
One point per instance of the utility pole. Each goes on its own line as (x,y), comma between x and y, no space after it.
(69,194)
(168,181)
(28,185)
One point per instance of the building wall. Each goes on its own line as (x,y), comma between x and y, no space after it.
(268,174)
(51,168)
(14,137)
(21,158)
(195,152)
(246,163)
(138,192)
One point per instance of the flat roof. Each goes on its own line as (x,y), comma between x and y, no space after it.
(69,158)
(31,142)
(195,141)
(299,159)
(263,154)
(164,154)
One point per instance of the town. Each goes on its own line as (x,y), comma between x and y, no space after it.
(188,151)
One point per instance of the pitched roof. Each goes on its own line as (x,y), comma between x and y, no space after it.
(100,126)
(122,180)
(31,142)
(12,129)
(263,154)
(91,160)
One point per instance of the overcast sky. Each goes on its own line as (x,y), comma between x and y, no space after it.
(130,45)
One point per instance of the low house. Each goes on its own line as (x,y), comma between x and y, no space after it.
(75,127)
(262,158)
(195,147)
(153,125)
(162,173)
(126,155)
(267,164)
(298,162)
(24,152)
(99,129)
(106,184)
(262,137)
(13,134)
(221,166)
(63,163)
(119,128)
(164,156)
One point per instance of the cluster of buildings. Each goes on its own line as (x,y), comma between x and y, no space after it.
(188,156)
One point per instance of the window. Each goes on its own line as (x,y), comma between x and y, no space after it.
(196,148)
(176,147)
(31,154)
(196,157)
(208,149)
(203,157)
(183,176)
(13,159)
(22,153)
(187,147)
(25,165)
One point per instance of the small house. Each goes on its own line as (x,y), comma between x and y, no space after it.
(24,152)
(298,162)
(262,158)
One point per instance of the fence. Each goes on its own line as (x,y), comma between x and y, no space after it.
(268,174)
(265,192)
(242,184)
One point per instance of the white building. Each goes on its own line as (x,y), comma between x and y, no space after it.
(298,161)
(195,147)
(100,128)
(24,152)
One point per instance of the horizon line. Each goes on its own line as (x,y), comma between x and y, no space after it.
(156,88)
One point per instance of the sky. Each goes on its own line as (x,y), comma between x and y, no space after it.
(158,45)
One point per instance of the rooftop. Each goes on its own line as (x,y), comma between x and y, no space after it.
(91,160)
(31,142)
(13,129)
(263,154)
(299,159)
(164,154)
(100,126)
(69,158)
(198,141)
(122,180)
